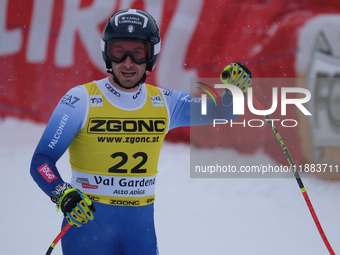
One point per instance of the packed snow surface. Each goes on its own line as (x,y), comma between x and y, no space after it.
(193,216)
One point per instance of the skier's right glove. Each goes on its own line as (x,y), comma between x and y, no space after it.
(76,206)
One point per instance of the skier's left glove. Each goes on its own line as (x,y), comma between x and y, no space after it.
(237,74)
(76,206)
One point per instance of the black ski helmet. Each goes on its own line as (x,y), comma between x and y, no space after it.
(134,24)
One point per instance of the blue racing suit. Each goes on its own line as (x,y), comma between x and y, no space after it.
(114,140)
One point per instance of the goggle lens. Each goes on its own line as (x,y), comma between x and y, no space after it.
(118,50)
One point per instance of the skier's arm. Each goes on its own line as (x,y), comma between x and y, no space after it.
(65,122)
(185,110)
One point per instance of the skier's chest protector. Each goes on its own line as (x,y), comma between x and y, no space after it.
(114,158)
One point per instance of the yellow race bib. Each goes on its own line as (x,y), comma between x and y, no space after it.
(114,158)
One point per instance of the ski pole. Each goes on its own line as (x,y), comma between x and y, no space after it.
(59,236)
(297,176)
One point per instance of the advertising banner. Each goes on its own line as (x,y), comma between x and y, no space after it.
(48,47)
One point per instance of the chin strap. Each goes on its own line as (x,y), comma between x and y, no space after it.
(142,80)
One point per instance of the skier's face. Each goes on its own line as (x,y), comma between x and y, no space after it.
(127,71)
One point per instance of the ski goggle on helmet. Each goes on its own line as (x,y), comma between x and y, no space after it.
(118,49)
(126,27)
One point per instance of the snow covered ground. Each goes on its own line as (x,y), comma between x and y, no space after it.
(193,216)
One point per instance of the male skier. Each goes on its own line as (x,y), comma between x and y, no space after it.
(114,129)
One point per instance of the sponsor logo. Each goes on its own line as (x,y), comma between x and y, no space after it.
(89,186)
(137,183)
(121,126)
(157,101)
(124,202)
(150,200)
(137,93)
(125,182)
(167,92)
(131,17)
(93,198)
(112,89)
(85,183)
(96,100)
(59,131)
(47,173)
(127,139)
(69,100)
(104,181)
